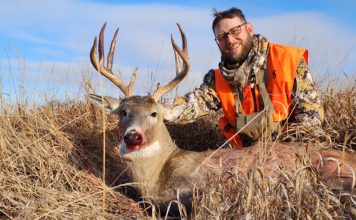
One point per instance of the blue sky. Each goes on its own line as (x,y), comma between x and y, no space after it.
(45,44)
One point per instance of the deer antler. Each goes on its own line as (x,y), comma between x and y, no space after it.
(107,71)
(180,72)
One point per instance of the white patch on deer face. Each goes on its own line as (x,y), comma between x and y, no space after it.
(144,152)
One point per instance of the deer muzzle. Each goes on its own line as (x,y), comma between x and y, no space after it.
(133,139)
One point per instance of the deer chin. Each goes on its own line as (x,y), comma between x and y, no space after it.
(128,148)
(141,151)
(133,147)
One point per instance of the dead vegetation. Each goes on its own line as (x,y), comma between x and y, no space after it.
(51,160)
(340,114)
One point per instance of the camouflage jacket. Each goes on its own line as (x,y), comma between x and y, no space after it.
(305,105)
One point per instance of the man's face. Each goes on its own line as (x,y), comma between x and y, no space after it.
(236,45)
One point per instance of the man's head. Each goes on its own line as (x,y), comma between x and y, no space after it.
(233,35)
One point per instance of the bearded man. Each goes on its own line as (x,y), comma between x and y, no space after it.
(261,86)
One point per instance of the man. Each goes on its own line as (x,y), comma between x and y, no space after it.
(259,85)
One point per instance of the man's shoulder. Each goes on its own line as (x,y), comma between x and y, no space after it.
(289,56)
(209,79)
(285,48)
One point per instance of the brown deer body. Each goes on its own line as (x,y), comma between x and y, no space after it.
(165,172)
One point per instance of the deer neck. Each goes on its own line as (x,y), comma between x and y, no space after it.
(147,163)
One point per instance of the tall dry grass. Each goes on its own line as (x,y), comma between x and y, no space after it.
(51,160)
(340,117)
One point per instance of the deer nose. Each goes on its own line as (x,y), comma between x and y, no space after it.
(133,138)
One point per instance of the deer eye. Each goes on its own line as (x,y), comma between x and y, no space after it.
(154,114)
(123,113)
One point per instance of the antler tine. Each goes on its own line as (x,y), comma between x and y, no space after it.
(101,45)
(107,71)
(112,50)
(132,81)
(178,63)
(184,39)
(181,72)
(93,57)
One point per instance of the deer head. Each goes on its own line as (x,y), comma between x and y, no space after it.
(140,117)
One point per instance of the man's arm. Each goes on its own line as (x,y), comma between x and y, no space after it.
(201,101)
(306,107)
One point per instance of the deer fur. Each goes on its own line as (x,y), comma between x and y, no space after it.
(165,172)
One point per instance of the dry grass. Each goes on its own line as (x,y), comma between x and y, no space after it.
(340,123)
(51,162)
(295,194)
(51,167)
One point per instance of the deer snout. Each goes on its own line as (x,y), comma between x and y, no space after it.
(133,138)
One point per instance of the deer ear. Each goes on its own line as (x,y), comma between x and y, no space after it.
(109,104)
(171,113)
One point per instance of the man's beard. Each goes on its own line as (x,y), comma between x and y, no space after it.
(238,58)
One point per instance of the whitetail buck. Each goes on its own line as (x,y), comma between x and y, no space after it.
(165,172)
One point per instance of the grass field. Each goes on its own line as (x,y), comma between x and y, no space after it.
(53,167)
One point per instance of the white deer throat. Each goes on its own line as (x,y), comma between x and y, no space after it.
(146,151)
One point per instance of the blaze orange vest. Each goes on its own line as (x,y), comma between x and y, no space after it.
(282,65)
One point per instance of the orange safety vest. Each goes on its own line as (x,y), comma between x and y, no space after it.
(282,64)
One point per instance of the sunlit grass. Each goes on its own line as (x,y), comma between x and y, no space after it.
(51,165)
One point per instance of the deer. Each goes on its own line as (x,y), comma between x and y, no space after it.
(163,171)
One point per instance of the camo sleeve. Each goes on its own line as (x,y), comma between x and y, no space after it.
(307,109)
(202,101)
